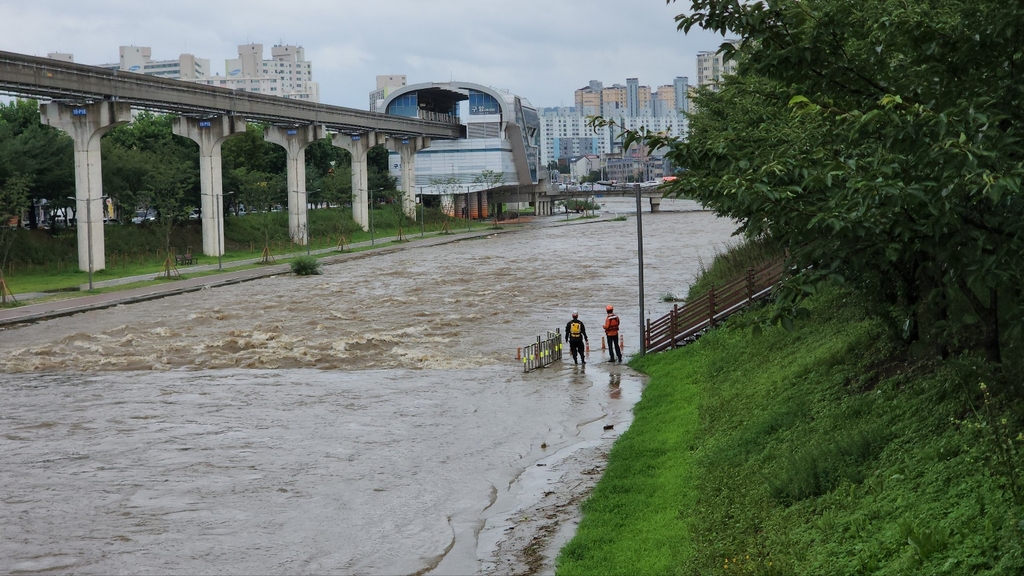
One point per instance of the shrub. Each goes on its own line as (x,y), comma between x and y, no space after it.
(305,266)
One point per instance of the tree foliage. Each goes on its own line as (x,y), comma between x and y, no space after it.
(880,143)
(32,152)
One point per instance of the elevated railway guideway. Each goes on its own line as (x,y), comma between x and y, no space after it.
(87,101)
(72,83)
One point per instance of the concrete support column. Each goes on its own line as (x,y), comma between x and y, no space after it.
(483,205)
(86,124)
(460,205)
(655,204)
(358,145)
(294,140)
(209,134)
(474,205)
(407,148)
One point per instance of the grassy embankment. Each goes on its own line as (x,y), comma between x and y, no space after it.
(818,451)
(45,260)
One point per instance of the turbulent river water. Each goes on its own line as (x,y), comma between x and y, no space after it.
(370,420)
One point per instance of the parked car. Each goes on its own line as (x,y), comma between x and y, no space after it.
(195,214)
(144,216)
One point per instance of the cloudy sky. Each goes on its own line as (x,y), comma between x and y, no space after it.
(540,49)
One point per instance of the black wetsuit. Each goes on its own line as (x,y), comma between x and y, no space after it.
(576,344)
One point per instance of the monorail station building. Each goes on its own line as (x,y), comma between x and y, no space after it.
(497,163)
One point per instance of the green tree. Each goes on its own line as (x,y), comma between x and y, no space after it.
(43,155)
(13,201)
(879,142)
(490,179)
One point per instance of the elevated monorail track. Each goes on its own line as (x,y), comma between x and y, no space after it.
(46,78)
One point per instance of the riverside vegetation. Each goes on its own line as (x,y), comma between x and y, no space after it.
(150,174)
(871,420)
(821,450)
(46,260)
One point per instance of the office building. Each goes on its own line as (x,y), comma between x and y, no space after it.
(287,73)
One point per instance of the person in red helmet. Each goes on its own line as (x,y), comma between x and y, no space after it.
(575,334)
(611,331)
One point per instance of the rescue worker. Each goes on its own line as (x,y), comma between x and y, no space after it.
(611,331)
(575,334)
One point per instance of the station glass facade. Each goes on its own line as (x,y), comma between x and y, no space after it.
(491,145)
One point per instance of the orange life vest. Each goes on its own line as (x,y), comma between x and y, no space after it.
(611,325)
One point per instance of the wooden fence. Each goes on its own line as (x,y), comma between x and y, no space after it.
(684,324)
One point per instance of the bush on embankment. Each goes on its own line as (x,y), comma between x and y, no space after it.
(817,451)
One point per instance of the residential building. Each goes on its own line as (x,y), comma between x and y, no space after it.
(711,67)
(681,87)
(287,73)
(386,84)
(138,59)
(566,133)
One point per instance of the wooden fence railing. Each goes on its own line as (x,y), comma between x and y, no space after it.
(684,324)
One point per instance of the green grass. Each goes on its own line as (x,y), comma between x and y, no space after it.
(732,264)
(818,451)
(51,259)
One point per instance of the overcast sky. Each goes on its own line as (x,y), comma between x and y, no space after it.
(539,49)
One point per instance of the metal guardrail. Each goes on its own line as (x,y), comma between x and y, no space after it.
(684,324)
(543,352)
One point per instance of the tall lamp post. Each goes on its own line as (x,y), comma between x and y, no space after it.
(371,219)
(423,215)
(640,260)
(88,230)
(220,228)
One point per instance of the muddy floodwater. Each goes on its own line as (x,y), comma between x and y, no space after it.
(370,420)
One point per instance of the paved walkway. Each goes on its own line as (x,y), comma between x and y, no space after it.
(46,310)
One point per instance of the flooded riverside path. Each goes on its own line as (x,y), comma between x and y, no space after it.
(370,420)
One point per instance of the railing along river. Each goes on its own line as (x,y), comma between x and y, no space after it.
(684,324)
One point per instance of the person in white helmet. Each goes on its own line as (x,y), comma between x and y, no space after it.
(575,334)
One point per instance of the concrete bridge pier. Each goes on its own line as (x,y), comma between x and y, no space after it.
(86,124)
(482,206)
(295,139)
(407,147)
(459,205)
(358,145)
(655,204)
(542,206)
(209,134)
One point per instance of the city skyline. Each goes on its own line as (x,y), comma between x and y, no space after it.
(543,51)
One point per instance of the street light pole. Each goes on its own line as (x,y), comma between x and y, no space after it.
(220,227)
(640,260)
(371,219)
